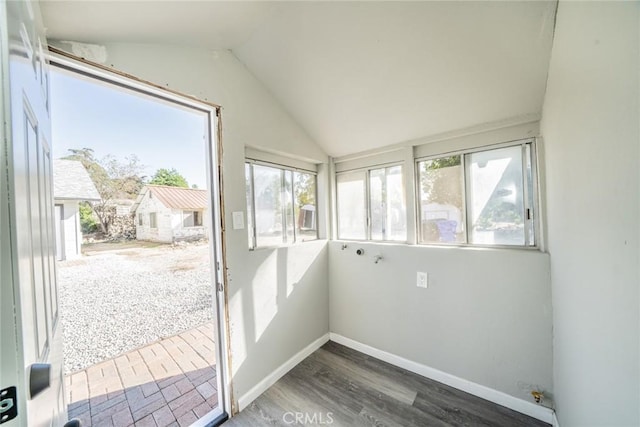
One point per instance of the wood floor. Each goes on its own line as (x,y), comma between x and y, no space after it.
(338,386)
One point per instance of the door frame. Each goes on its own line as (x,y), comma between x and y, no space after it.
(64,60)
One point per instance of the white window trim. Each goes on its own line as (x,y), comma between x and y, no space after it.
(253,245)
(536,194)
(367,171)
(193,212)
(279,160)
(463,145)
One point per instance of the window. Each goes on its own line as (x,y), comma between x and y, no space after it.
(281,205)
(479,197)
(152,220)
(140,219)
(352,206)
(441,183)
(371,205)
(191,218)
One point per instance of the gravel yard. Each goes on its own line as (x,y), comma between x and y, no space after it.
(115,301)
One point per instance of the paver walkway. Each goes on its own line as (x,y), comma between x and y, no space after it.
(171,382)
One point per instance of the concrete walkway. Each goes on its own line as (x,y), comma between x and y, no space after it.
(171,382)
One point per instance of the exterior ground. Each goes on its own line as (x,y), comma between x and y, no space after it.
(171,382)
(122,296)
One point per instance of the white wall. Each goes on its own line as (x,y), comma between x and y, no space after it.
(590,126)
(278,298)
(486,316)
(71,231)
(164,231)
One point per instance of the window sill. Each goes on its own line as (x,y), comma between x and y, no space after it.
(461,246)
(285,245)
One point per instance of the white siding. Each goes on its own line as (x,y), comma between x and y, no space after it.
(71,231)
(163,231)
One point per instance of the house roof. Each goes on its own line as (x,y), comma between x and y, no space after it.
(71,181)
(177,197)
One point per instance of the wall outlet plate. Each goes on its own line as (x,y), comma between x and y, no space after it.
(422,280)
(238,220)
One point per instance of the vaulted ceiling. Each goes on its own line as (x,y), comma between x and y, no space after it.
(354,75)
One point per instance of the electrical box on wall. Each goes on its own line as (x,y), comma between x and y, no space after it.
(422,280)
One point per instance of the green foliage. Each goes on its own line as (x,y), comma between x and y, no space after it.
(86,156)
(305,187)
(88,222)
(437,185)
(169,177)
(113,178)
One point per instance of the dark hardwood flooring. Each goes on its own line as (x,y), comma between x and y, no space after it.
(338,386)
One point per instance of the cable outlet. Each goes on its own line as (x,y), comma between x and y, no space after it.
(423,280)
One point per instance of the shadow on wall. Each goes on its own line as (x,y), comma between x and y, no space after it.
(284,308)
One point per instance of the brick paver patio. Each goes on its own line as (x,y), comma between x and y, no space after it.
(171,382)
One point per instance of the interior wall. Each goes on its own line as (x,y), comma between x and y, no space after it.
(278,298)
(485,317)
(590,127)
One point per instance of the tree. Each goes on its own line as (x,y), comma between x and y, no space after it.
(169,177)
(440,185)
(114,179)
(305,185)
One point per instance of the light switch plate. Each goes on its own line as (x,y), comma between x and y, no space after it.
(422,280)
(238,220)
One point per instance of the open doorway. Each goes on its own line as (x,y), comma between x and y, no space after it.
(139,250)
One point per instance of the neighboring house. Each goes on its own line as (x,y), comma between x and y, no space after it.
(71,185)
(170,214)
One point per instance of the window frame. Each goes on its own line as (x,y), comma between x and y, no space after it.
(367,185)
(253,244)
(195,214)
(153,224)
(534,209)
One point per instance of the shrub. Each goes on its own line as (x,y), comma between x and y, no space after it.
(88,223)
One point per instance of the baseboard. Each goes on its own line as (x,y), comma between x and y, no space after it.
(246,399)
(528,408)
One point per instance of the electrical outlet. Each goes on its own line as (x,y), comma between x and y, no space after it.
(423,280)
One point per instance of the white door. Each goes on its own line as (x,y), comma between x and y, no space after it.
(38,373)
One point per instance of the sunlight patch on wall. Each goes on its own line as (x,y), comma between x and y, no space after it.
(265,292)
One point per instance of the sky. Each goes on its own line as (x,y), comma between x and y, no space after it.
(87,113)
